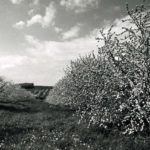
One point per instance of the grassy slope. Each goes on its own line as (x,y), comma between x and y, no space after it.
(37,125)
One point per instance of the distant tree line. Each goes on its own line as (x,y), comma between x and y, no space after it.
(10,92)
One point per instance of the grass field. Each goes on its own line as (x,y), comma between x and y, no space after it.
(37,125)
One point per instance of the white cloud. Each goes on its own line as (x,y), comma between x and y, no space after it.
(33,41)
(52,57)
(46,20)
(58,29)
(43,62)
(61,50)
(117,8)
(35,2)
(35,19)
(19,25)
(16,1)
(31,11)
(79,5)
(8,62)
(119,24)
(72,33)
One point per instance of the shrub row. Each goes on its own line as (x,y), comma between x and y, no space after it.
(11,92)
(112,88)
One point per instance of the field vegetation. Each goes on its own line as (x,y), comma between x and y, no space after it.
(102,103)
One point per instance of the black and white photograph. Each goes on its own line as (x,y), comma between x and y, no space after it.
(74,74)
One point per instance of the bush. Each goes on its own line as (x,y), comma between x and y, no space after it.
(11,92)
(112,88)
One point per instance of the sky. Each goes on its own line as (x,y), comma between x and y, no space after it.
(39,38)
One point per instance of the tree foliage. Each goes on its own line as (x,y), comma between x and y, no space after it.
(113,86)
(11,92)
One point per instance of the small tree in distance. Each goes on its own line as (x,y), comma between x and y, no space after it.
(10,92)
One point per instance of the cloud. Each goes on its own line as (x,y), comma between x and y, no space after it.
(16,1)
(58,29)
(35,19)
(19,25)
(35,2)
(117,8)
(8,62)
(79,5)
(43,62)
(30,39)
(72,33)
(61,50)
(52,57)
(46,20)
(119,24)
(17,68)
(31,11)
